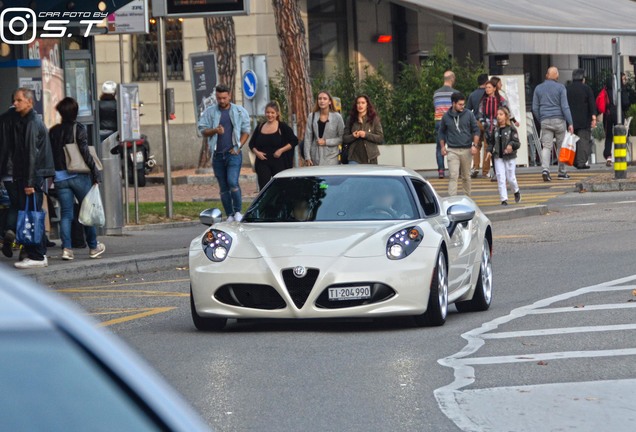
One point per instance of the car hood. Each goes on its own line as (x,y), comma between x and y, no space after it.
(325,239)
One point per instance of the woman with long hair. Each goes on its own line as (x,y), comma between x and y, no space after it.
(272,143)
(72,186)
(503,151)
(323,134)
(363,132)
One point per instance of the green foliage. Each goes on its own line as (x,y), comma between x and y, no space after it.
(405,107)
(278,92)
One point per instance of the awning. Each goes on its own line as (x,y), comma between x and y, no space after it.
(580,27)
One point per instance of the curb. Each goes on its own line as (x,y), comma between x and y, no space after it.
(197,179)
(515,213)
(106,267)
(610,186)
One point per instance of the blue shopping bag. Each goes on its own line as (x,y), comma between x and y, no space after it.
(30,225)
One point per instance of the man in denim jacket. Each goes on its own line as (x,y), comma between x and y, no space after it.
(227,127)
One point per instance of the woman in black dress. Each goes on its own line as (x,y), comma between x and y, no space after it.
(273,144)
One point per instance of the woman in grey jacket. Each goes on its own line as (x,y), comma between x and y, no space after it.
(323,134)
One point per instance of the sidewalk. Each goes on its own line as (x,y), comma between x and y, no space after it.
(163,246)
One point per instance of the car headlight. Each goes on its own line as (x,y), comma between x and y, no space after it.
(402,243)
(216,244)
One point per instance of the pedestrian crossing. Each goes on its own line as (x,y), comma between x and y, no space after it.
(534,191)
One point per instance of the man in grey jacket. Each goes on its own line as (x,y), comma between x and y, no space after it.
(550,106)
(459,138)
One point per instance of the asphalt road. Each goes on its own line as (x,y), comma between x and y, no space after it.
(556,350)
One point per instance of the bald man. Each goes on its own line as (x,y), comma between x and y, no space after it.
(550,106)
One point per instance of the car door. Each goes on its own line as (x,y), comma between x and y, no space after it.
(458,245)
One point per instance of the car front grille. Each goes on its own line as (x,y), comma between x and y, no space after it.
(300,288)
(253,296)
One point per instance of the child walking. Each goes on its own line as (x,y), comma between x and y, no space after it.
(503,150)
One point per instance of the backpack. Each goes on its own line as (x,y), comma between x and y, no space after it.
(602,101)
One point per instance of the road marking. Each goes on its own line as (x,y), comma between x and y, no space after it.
(145,312)
(559,331)
(451,399)
(584,308)
(110,285)
(137,293)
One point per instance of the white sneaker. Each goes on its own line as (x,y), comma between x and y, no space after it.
(229,219)
(238,216)
(67,254)
(99,249)
(28,263)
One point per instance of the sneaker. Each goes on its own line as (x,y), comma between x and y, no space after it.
(28,263)
(474,173)
(608,162)
(517,196)
(546,176)
(7,245)
(440,174)
(67,254)
(504,203)
(564,176)
(99,249)
(238,216)
(229,219)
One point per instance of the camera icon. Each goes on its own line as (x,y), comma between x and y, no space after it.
(16,22)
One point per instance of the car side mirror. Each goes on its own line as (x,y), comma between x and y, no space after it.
(210,217)
(457,214)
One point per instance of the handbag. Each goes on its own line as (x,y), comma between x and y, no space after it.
(30,225)
(74,161)
(568,149)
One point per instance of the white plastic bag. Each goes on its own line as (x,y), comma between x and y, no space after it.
(92,211)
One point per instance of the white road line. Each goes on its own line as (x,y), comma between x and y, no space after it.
(583,308)
(447,396)
(524,358)
(559,331)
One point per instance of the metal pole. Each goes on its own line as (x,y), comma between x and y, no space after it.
(135,180)
(124,148)
(163,84)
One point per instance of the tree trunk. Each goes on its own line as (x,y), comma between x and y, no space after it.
(295,56)
(221,39)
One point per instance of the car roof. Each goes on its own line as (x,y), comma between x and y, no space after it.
(349,170)
(26,306)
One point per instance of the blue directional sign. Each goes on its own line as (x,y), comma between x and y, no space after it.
(250,84)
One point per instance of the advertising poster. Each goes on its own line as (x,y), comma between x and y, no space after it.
(48,51)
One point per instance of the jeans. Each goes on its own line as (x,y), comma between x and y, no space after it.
(551,129)
(227,169)
(438,149)
(67,191)
(12,211)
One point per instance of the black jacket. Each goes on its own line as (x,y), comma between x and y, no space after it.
(108,115)
(287,137)
(7,141)
(32,157)
(502,137)
(582,104)
(62,134)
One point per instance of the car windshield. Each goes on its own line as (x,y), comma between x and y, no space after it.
(333,198)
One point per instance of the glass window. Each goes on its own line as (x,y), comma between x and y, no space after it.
(327,21)
(145,52)
(426,196)
(78,81)
(49,383)
(333,198)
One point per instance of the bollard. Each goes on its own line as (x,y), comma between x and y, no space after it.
(112,196)
(620,152)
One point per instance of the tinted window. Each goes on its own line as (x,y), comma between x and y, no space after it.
(48,383)
(333,198)
(426,196)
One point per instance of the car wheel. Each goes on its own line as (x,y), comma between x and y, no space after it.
(437,309)
(483,290)
(205,324)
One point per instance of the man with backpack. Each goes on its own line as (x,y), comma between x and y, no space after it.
(583,107)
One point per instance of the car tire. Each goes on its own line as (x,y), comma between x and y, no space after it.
(482,298)
(205,324)
(437,309)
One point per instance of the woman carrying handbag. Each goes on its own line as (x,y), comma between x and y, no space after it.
(73,185)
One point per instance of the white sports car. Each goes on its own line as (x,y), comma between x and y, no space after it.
(344,241)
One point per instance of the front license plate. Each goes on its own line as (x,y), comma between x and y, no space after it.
(350,293)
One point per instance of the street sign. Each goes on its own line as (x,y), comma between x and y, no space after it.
(254,83)
(250,83)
